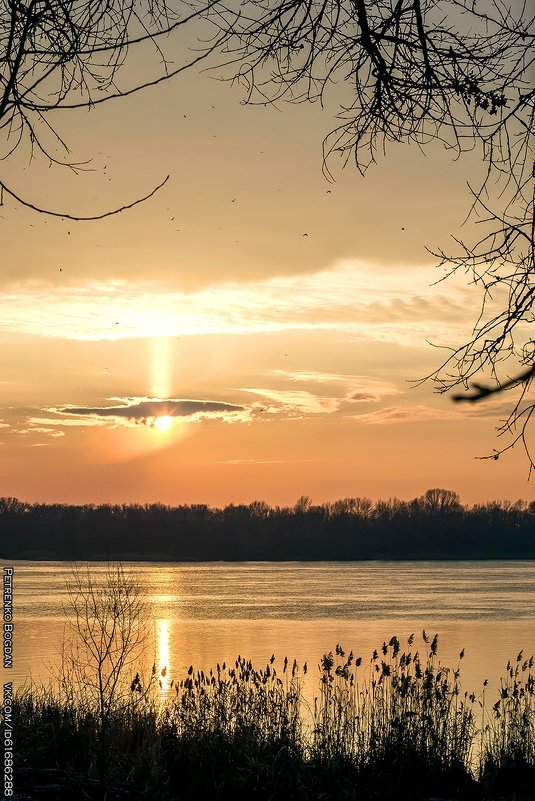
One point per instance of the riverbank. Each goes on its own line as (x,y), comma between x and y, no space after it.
(396,727)
(433,526)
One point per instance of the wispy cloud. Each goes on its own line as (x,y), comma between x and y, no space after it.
(369,301)
(364,397)
(295,401)
(421,413)
(312,376)
(405,414)
(37,421)
(38,429)
(358,388)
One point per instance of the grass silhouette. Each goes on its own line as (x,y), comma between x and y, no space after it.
(397,726)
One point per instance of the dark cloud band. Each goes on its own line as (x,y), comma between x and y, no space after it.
(154,408)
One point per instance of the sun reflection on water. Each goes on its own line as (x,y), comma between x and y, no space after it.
(163,661)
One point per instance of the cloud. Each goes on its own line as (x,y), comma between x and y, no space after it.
(422,413)
(147,408)
(59,421)
(364,397)
(38,429)
(388,304)
(406,414)
(359,388)
(146,411)
(346,387)
(312,376)
(131,412)
(295,401)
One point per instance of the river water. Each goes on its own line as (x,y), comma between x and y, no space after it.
(204,613)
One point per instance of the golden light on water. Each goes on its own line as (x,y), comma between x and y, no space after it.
(163,662)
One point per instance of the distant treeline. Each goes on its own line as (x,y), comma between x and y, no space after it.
(433,526)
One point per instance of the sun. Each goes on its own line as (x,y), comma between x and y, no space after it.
(163,423)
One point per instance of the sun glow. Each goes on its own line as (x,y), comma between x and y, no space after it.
(163,423)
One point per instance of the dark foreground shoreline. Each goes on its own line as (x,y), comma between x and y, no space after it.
(55,785)
(395,728)
(151,559)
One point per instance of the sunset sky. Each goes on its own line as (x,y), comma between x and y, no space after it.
(252,331)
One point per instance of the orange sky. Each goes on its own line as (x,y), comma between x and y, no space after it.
(276,318)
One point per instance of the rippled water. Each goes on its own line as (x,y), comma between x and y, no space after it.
(210,612)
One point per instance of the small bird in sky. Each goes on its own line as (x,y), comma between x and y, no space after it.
(305,234)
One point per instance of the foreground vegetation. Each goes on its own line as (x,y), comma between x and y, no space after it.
(433,526)
(396,726)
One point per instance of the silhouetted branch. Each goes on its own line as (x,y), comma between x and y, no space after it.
(483,391)
(56,55)
(64,215)
(421,71)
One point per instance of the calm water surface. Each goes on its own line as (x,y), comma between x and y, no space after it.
(203,613)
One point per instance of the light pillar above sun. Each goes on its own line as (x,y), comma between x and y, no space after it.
(160,367)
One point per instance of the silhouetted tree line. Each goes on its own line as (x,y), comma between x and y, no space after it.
(433,526)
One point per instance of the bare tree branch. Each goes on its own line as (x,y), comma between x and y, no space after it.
(56,55)
(66,216)
(422,71)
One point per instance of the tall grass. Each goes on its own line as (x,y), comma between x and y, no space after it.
(399,722)
(403,709)
(508,733)
(239,701)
